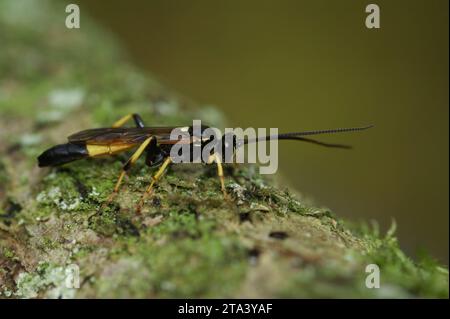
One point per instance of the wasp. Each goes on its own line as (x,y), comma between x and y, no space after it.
(156,144)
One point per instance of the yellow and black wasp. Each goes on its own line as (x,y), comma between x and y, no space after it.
(156,143)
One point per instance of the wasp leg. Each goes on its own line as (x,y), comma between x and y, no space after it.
(155,179)
(216,158)
(155,155)
(137,120)
(127,166)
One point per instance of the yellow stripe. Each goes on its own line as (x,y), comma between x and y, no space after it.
(140,150)
(98,150)
(122,121)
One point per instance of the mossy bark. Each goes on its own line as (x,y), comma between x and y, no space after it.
(188,242)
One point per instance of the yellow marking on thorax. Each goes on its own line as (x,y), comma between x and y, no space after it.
(99,150)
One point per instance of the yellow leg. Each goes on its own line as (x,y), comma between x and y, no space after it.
(155,179)
(123,120)
(216,158)
(127,166)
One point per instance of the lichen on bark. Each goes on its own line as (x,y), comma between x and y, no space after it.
(187,242)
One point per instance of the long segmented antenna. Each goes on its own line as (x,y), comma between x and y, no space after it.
(299,136)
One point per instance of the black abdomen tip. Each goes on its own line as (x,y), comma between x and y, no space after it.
(61,154)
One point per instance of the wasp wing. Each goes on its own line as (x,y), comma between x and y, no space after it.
(104,136)
(122,135)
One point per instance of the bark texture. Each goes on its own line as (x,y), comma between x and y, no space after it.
(188,242)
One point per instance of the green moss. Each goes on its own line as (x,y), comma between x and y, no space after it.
(184,267)
(203,269)
(8,253)
(187,241)
(46,276)
(421,278)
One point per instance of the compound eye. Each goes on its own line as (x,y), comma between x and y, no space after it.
(229,140)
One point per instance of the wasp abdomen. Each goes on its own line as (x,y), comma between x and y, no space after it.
(61,154)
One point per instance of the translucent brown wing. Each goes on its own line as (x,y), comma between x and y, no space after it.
(121,135)
(103,136)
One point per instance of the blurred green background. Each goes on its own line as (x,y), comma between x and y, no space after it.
(300,65)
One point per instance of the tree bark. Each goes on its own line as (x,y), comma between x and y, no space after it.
(187,242)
